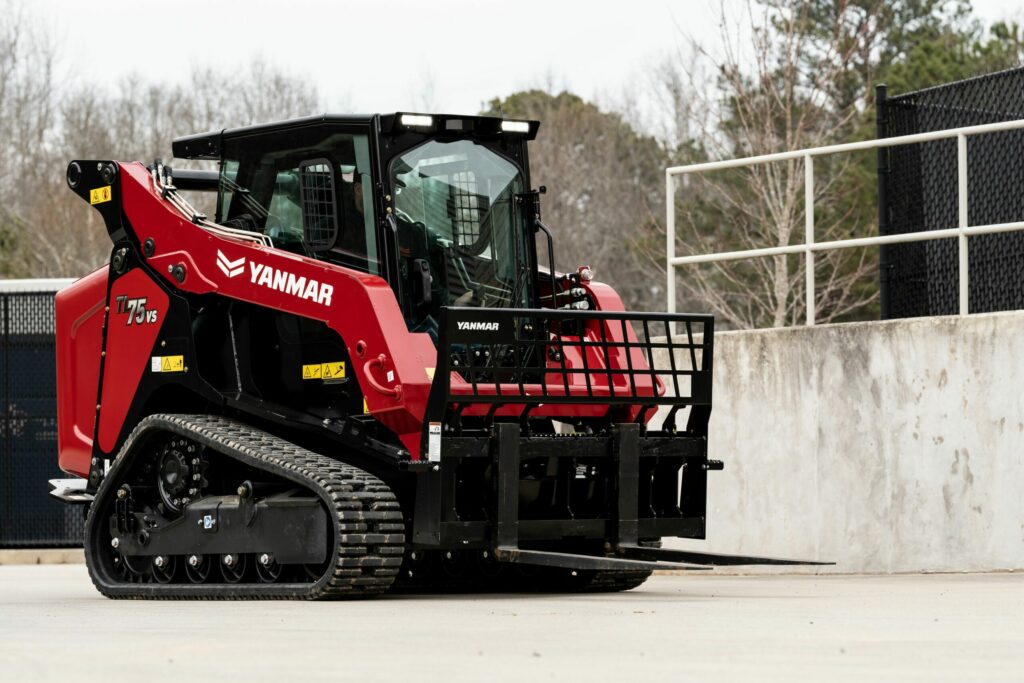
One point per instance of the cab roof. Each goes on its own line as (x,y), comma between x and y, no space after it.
(208,145)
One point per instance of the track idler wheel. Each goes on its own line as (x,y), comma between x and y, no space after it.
(233,566)
(489,569)
(162,568)
(267,568)
(197,568)
(130,569)
(453,565)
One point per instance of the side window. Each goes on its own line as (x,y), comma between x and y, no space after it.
(284,215)
(356,244)
(226,188)
(304,189)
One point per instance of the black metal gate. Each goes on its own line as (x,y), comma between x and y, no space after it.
(918,191)
(28,427)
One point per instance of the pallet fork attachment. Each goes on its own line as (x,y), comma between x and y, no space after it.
(505,540)
(573,561)
(710,559)
(508,549)
(633,556)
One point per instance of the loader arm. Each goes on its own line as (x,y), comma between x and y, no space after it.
(360,307)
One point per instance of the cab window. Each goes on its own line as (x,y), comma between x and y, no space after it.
(303,188)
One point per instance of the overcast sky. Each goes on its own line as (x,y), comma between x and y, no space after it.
(397,54)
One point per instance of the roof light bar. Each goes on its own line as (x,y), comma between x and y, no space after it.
(515,126)
(417,120)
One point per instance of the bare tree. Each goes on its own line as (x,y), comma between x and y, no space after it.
(773,91)
(604,189)
(27,118)
(44,229)
(257,93)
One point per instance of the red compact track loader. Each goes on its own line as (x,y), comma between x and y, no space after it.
(357,377)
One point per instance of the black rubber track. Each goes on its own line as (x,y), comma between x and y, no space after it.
(365,519)
(518,578)
(602,581)
(609,581)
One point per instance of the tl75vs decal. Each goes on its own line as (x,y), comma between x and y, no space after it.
(136,309)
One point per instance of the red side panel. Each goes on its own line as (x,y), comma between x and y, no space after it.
(79,314)
(131,336)
(361,308)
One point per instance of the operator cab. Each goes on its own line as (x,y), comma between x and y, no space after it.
(432,203)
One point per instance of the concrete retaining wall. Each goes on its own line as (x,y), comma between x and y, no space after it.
(885,446)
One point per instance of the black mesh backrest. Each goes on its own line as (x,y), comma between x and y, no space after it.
(319,208)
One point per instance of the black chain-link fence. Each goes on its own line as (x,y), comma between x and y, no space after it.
(28,427)
(920,193)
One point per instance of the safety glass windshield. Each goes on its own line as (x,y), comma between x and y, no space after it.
(455,205)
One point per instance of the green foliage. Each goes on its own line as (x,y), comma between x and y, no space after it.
(953,54)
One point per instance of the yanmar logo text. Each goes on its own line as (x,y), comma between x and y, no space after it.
(478,327)
(281,280)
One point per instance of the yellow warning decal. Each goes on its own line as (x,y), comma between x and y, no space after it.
(334,370)
(99,195)
(167,364)
(430,373)
(324,371)
(366,408)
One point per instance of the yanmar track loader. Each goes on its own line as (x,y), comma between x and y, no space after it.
(357,376)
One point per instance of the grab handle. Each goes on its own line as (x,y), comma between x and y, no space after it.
(378,362)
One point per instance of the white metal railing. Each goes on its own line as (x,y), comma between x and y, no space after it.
(35,285)
(809,245)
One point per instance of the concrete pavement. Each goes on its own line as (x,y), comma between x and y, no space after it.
(42,556)
(55,627)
